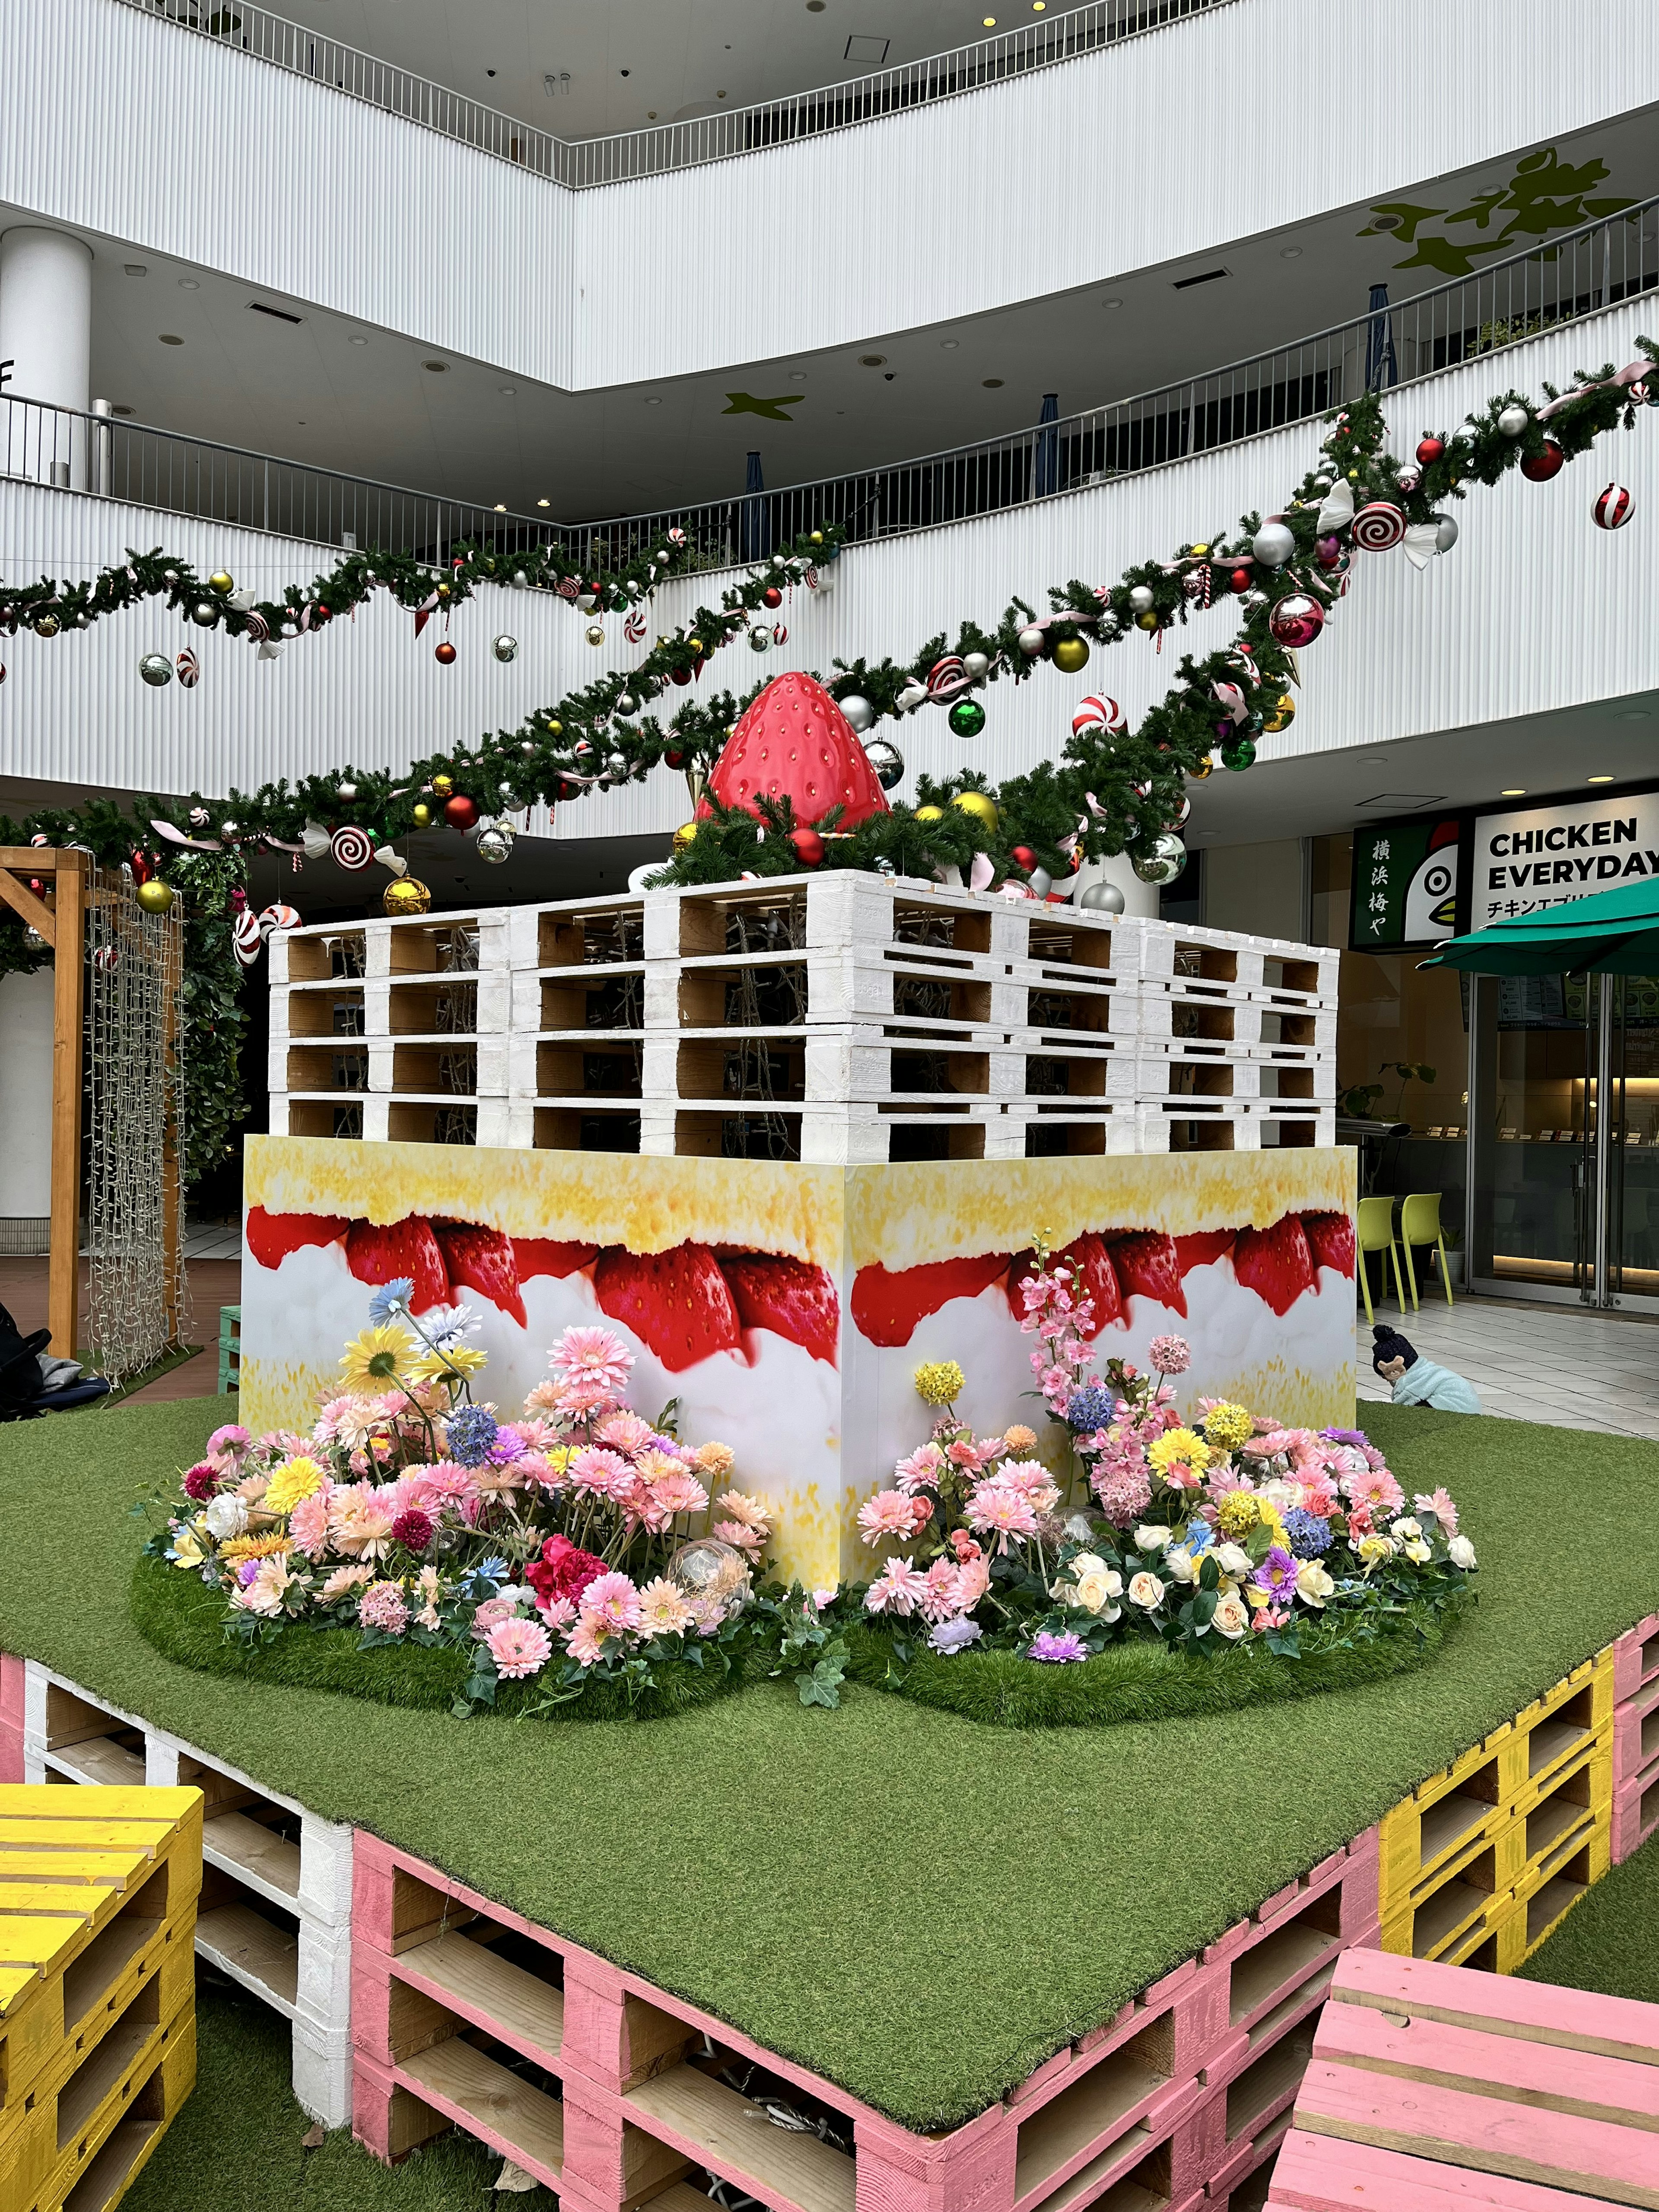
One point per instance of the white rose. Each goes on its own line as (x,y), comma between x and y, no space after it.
(1282,1493)
(1146,1590)
(1179,1562)
(1231,1618)
(1405,1529)
(1461,1553)
(1151,1539)
(1087,1563)
(1096,1589)
(1312,1584)
(226,1517)
(1232,1560)
(1417,1551)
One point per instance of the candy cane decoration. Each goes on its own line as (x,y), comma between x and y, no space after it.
(353,848)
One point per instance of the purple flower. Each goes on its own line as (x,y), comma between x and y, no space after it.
(1277,1571)
(246,1571)
(1345,1435)
(1055,1650)
(954,1635)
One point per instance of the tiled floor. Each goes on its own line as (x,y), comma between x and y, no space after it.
(214,1282)
(1535,1362)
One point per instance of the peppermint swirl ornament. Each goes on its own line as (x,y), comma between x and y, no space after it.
(1613,509)
(190,669)
(1378,527)
(353,848)
(1098,713)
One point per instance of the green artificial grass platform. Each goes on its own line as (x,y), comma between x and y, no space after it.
(1610,1939)
(920,1908)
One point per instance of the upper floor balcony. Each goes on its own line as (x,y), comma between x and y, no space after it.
(375,271)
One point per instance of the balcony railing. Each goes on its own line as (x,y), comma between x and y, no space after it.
(1576,275)
(582,163)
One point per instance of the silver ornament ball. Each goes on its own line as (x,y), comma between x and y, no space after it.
(1445,532)
(1512,422)
(615,764)
(1031,643)
(156,668)
(976,666)
(858,712)
(628,704)
(887,760)
(204,613)
(495,842)
(1140,598)
(1273,544)
(1165,862)
(1101,897)
(760,639)
(505,647)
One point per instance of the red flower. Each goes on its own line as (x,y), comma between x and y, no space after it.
(562,1570)
(413,1530)
(201,1481)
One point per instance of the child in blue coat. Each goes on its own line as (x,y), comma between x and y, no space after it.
(1416,1381)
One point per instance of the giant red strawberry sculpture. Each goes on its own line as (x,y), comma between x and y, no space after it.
(794,743)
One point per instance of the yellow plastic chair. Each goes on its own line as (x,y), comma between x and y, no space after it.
(1376,1234)
(1420,1223)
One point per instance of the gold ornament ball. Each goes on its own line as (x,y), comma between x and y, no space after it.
(930,814)
(555,729)
(1206,767)
(816,538)
(155,896)
(694,645)
(1151,620)
(420,814)
(222,581)
(1283,714)
(443,786)
(684,836)
(408,895)
(1199,552)
(979,804)
(1070,654)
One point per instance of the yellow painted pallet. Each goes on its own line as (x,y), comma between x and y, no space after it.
(58,2138)
(96,1888)
(98,2182)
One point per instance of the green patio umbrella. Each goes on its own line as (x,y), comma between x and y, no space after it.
(1613,932)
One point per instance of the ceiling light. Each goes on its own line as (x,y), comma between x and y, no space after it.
(990,22)
(356,339)
(543,503)
(815,7)
(872,360)
(1386,221)
(135,268)
(168,339)
(1289,254)
(120,411)
(949,345)
(1111,303)
(507,391)
(1599,779)
(1636,714)
(188,284)
(798,376)
(654,403)
(437,367)
(501,507)
(993,384)
(1519,791)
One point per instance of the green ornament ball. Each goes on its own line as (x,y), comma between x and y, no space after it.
(1241,753)
(966,718)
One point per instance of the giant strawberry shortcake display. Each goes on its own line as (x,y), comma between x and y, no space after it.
(785,1308)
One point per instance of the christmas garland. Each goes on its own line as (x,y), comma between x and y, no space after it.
(1111,790)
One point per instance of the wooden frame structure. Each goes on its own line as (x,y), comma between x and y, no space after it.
(62,922)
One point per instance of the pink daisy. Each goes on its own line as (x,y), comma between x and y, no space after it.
(923,1469)
(898,1588)
(558,1613)
(600,1473)
(612,1601)
(307,1524)
(997,1509)
(585,1642)
(518,1648)
(940,1598)
(750,1541)
(594,1356)
(890,1513)
(1438,1502)
(678,1492)
(1376,1489)
(625,1432)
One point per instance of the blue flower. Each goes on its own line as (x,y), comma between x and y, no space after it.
(1091,1407)
(954,1635)
(493,1569)
(1199,1538)
(391,1300)
(1308,1534)
(471,1432)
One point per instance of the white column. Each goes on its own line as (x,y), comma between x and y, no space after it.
(46,333)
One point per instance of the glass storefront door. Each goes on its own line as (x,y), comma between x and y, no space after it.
(1566,1199)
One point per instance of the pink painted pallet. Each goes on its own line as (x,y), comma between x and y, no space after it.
(1636,1738)
(1435,2088)
(616,2093)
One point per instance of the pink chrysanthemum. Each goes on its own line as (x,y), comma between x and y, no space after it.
(342,1580)
(942,1597)
(592,1355)
(1438,1502)
(748,1541)
(1375,1489)
(600,1473)
(662,1609)
(891,1514)
(381,1606)
(307,1524)
(899,1587)
(360,1521)
(920,1470)
(518,1648)
(586,1640)
(612,1601)
(997,1509)
(678,1492)
(558,1613)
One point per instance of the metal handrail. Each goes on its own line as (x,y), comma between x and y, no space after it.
(582,163)
(1580,273)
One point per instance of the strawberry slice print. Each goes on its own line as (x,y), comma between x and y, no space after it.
(482,1259)
(1202,1249)
(1088,1256)
(886,1307)
(377,1254)
(791,1297)
(1148,1267)
(1275,1263)
(1330,1239)
(546,1255)
(677,1303)
(271,1237)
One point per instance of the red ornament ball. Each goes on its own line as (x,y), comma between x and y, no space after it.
(1241,580)
(1296,620)
(444,654)
(460,813)
(1538,468)
(1429,449)
(1023,857)
(1613,507)
(772,596)
(809,847)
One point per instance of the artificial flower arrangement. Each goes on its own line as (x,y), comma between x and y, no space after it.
(1225,1531)
(560,1549)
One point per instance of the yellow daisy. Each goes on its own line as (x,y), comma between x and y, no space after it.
(371,1362)
(294,1480)
(1180,1447)
(434,1367)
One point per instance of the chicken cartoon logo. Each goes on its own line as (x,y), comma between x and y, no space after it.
(1432,894)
